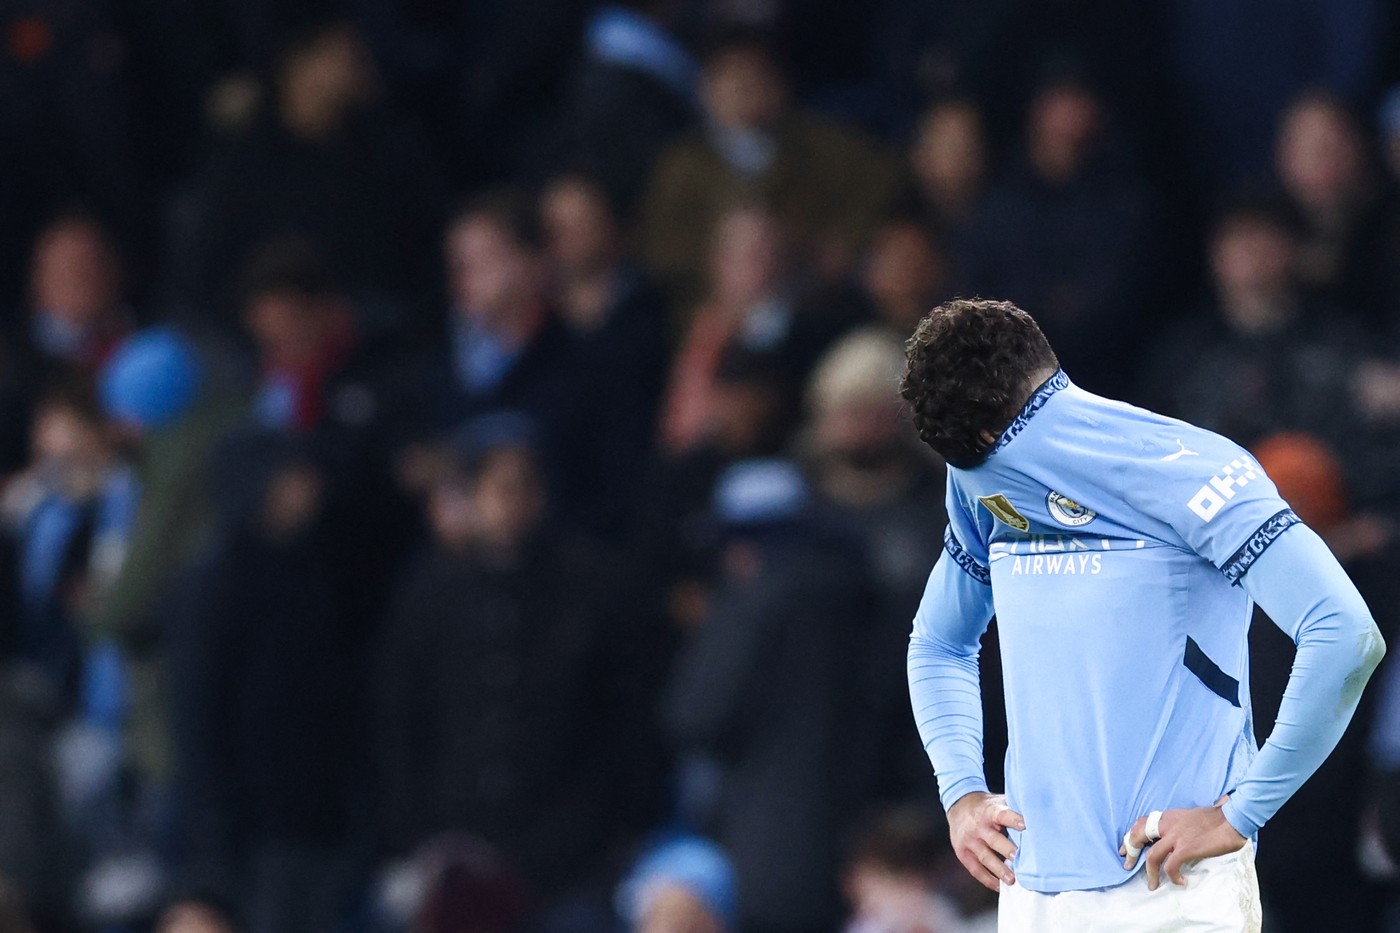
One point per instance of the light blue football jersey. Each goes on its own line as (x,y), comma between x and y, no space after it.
(1108,541)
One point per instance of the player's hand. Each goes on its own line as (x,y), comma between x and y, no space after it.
(977,824)
(1187,836)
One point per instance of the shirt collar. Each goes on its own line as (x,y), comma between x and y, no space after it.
(1033,404)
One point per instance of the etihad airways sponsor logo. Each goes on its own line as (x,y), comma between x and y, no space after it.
(1062,555)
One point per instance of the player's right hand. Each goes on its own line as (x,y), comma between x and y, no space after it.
(977,824)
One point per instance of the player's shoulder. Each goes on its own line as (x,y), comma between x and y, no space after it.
(1147,438)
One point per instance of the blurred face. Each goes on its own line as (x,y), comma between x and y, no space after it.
(1064,123)
(950,152)
(64,439)
(292,501)
(1319,156)
(675,910)
(490,274)
(744,416)
(580,229)
(325,81)
(1253,257)
(862,431)
(74,275)
(289,327)
(747,262)
(193,918)
(509,497)
(742,90)
(903,275)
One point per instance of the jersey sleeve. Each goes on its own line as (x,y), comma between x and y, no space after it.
(944,684)
(1211,494)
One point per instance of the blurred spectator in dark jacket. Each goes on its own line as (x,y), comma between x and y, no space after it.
(630,94)
(617,317)
(889,496)
(1067,231)
(36,859)
(1261,357)
(1325,817)
(322,374)
(324,160)
(765,693)
(824,182)
(507,702)
(1324,164)
(264,673)
(950,164)
(74,321)
(683,884)
(756,302)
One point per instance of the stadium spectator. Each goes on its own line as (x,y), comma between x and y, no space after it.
(825,183)
(74,320)
(905,273)
(1324,166)
(323,160)
(755,302)
(874,481)
(758,692)
(632,93)
(683,884)
(264,676)
(892,874)
(507,678)
(1261,357)
(71,513)
(617,317)
(1067,231)
(950,164)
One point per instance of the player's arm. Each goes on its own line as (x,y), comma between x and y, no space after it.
(945,689)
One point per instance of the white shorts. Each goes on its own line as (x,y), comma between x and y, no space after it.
(1221,896)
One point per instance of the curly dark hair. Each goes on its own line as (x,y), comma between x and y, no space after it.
(971,363)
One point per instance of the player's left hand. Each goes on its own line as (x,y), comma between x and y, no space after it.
(1187,836)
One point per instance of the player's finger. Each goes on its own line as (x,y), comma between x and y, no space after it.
(1137,835)
(985,878)
(1173,865)
(993,863)
(1155,856)
(1002,845)
(1009,818)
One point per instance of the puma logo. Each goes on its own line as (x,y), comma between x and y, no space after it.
(1183,452)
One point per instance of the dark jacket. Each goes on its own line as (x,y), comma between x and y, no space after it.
(507,709)
(768,688)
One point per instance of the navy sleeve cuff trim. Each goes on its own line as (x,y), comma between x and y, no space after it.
(1239,563)
(964,559)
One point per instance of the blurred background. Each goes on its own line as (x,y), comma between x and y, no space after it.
(451,476)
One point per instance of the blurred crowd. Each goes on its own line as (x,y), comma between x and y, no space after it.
(451,477)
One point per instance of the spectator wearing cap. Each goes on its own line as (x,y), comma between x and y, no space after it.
(683,884)
(1067,229)
(889,496)
(765,692)
(264,673)
(826,183)
(506,703)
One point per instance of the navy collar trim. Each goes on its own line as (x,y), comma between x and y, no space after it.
(1034,404)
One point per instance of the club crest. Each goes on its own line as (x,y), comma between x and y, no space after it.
(1068,512)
